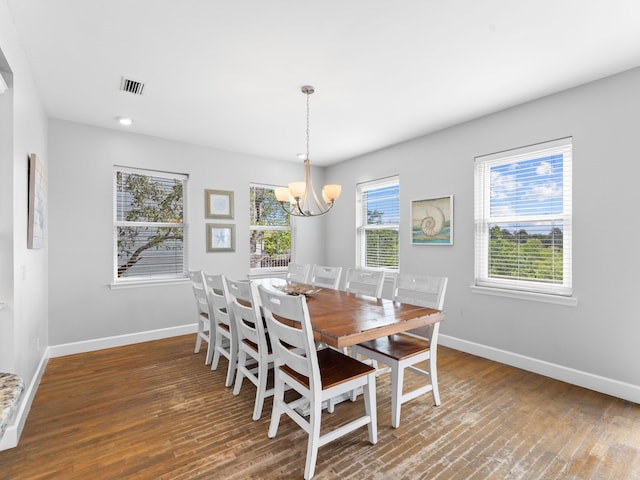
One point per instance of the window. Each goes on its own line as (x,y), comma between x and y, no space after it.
(149,230)
(523,219)
(377,217)
(270,235)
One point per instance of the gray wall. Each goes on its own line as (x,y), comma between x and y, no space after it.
(83,307)
(599,336)
(23,272)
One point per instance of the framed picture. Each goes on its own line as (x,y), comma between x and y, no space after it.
(221,237)
(218,204)
(432,221)
(37,202)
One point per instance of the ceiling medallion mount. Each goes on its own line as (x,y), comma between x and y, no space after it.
(299,199)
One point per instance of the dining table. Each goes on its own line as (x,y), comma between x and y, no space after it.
(340,319)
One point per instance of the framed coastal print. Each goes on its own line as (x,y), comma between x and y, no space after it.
(432,221)
(221,237)
(218,204)
(37,202)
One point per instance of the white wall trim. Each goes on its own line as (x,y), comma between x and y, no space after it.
(120,340)
(588,380)
(13,431)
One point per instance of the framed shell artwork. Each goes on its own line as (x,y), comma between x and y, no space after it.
(432,221)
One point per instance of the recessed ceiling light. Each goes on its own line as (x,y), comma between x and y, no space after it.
(125,121)
(301,156)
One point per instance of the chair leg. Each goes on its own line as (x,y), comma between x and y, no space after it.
(314,440)
(397,379)
(216,352)
(210,348)
(242,361)
(198,338)
(276,412)
(233,363)
(433,376)
(370,407)
(263,370)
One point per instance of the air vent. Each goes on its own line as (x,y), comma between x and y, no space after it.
(131,86)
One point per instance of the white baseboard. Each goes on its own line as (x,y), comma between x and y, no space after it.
(600,384)
(120,340)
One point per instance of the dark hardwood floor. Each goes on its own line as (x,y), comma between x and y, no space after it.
(155,411)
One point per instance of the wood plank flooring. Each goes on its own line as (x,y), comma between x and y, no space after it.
(155,411)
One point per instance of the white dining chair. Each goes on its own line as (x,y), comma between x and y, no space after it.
(361,282)
(254,354)
(204,314)
(224,326)
(298,273)
(328,277)
(404,351)
(364,282)
(316,375)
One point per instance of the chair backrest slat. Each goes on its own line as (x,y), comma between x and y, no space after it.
(218,297)
(246,312)
(328,277)
(298,273)
(199,291)
(289,326)
(364,282)
(425,291)
(421,290)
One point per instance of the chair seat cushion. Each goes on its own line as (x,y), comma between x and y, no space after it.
(335,368)
(11,387)
(398,346)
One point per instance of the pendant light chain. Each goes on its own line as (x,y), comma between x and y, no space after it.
(308,93)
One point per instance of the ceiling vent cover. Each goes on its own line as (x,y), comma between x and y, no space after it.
(131,86)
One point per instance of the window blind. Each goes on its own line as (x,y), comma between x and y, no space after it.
(378,219)
(149,228)
(523,218)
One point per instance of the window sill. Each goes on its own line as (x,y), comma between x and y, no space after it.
(534,297)
(149,283)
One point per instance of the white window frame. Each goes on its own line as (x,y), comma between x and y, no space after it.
(522,288)
(361,219)
(266,271)
(147,280)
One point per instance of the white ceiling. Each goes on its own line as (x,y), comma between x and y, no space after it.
(227,73)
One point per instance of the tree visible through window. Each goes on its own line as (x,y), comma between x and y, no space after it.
(269,230)
(523,219)
(378,224)
(149,225)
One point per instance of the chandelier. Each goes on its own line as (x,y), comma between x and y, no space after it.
(299,198)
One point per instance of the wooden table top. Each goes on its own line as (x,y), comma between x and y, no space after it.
(342,319)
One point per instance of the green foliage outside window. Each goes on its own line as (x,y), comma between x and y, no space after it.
(150,233)
(527,256)
(270,234)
